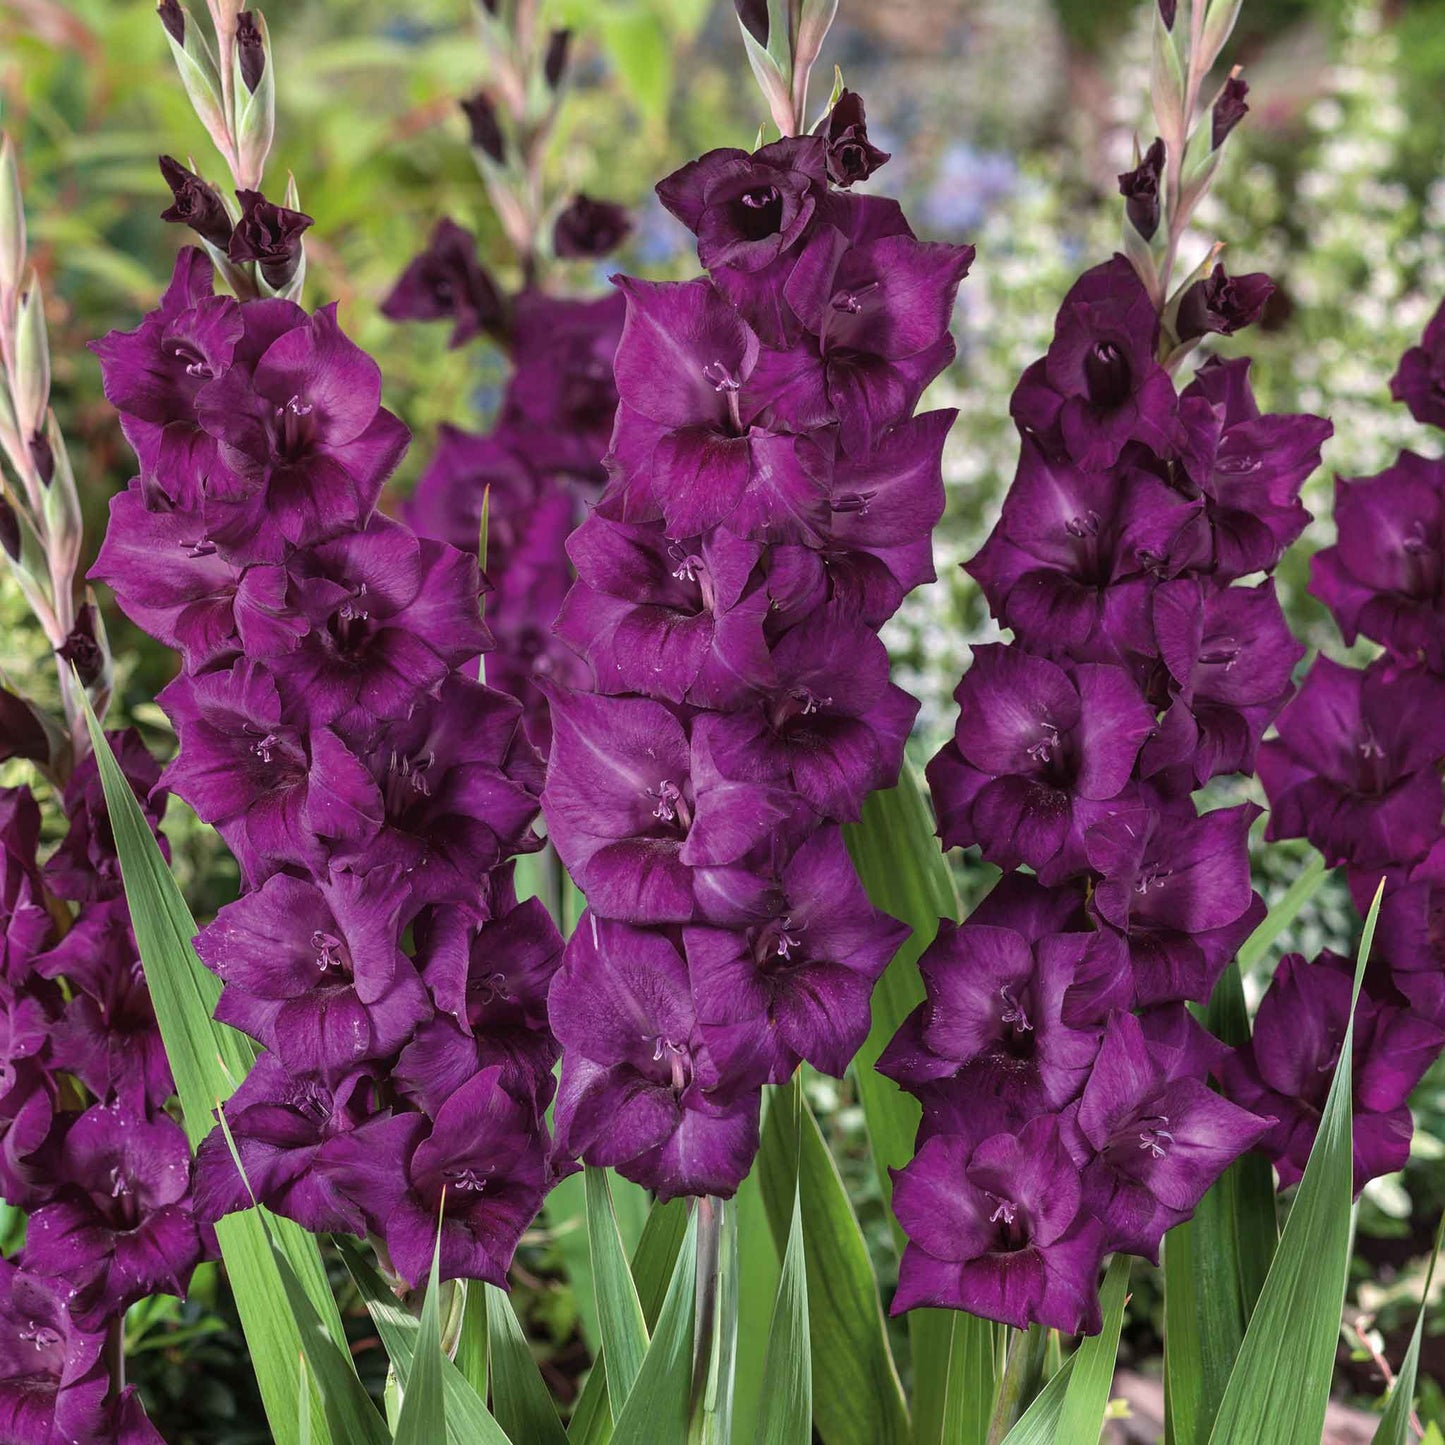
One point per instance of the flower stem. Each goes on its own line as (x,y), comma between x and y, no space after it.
(115,1353)
(716,1329)
(1022,1375)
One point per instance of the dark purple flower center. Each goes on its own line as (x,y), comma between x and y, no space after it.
(1152,875)
(776,943)
(41,1336)
(465,1179)
(672,806)
(295,429)
(1016,1037)
(758,212)
(797,702)
(407,780)
(191,357)
(331,956)
(1010,1224)
(1107,376)
(674,1061)
(725,381)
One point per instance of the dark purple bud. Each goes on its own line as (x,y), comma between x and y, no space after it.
(9,530)
(1229,110)
(554,67)
(270,235)
(250,49)
(21,732)
(1167,11)
(851,157)
(1140,189)
(174,19)
(81,649)
(1222,304)
(42,457)
(590,228)
(481,113)
(196,204)
(490,6)
(754,16)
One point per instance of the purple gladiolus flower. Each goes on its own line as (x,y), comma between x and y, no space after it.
(1177,888)
(997,1228)
(477,1164)
(637,1091)
(769,501)
(851,156)
(1222,304)
(1152,1139)
(1248,468)
(1420,380)
(1354,767)
(1040,754)
(590,228)
(374,792)
(53,1381)
(447,282)
(1287,1069)
(1100,386)
(745,210)
(1385,575)
(121,1226)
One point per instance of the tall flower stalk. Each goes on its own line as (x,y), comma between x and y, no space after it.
(88,1147)
(1067,1110)
(332,729)
(540,463)
(769,501)
(1356,769)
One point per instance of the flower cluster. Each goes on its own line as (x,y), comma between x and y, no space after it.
(1356,769)
(373,792)
(533,471)
(769,504)
(540,462)
(1064,1084)
(87,1147)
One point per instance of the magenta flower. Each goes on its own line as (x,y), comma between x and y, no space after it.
(1100,387)
(996,1228)
(1385,575)
(1420,380)
(1354,766)
(447,282)
(637,1077)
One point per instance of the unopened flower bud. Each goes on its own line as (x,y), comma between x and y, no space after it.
(9,530)
(250,50)
(269,235)
(12,218)
(1140,189)
(1229,110)
(481,113)
(174,19)
(196,204)
(42,457)
(753,15)
(554,67)
(1222,304)
(588,228)
(851,156)
(31,380)
(81,650)
(1168,9)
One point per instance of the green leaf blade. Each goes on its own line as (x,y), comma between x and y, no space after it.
(619,1311)
(208,1060)
(659,1403)
(520,1400)
(423,1419)
(857,1396)
(1279,1388)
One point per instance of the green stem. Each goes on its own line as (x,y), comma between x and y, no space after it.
(1022,1375)
(716,1331)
